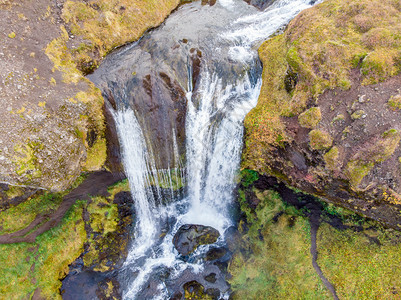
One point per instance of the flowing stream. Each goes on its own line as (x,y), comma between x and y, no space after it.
(227,88)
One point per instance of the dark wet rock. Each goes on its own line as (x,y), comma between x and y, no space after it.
(189,237)
(215,253)
(89,285)
(233,238)
(211,277)
(176,296)
(213,293)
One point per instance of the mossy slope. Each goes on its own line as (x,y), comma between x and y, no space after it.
(332,79)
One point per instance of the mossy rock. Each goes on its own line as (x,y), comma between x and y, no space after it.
(320,139)
(310,118)
(331,158)
(395,102)
(189,237)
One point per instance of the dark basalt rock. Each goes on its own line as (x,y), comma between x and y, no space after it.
(215,253)
(189,237)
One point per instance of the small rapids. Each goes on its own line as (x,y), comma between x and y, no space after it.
(229,81)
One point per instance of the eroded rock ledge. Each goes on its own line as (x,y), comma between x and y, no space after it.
(327,120)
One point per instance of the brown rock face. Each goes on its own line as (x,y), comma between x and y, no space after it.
(362,169)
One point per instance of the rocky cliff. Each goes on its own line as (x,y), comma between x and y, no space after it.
(53,124)
(328,117)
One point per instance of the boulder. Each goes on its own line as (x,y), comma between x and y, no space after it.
(189,237)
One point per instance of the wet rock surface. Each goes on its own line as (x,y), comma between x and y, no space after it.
(190,237)
(158,90)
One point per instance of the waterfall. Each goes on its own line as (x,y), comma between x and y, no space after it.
(216,108)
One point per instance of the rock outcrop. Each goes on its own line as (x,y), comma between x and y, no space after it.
(53,125)
(328,117)
(189,237)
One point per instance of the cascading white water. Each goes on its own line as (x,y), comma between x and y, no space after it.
(214,133)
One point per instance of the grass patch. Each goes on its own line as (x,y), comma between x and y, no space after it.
(310,118)
(26,267)
(277,260)
(320,139)
(20,216)
(331,158)
(358,267)
(395,102)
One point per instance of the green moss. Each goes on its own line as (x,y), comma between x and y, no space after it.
(248,177)
(18,217)
(107,243)
(358,114)
(26,267)
(338,118)
(11,35)
(331,158)
(25,161)
(310,118)
(275,262)
(395,102)
(97,155)
(320,139)
(358,267)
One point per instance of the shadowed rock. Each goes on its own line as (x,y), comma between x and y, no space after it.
(189,237)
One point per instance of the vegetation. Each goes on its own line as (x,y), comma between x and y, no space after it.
(395,102)
(361,265)
(275,262)
(331,158)
(310,118)
(359,258)
(320,139)
(320,46)
(27,267)
(18,217)
(358,114)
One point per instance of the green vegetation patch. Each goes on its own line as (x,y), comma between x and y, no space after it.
(40,265)
(359,258)
(358,114)
(25,267)
(310,118)
(320,139)
(395,102)
(276,260)
(18,217)
(106,240)
(331,158)
(361,265)
(362,162)
(248,177)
